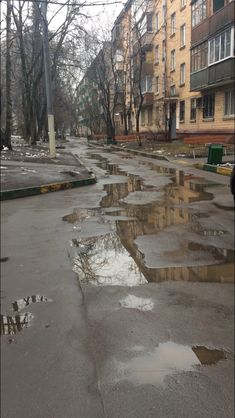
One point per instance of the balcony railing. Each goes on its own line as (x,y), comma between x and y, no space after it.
(213,24)
(216,75)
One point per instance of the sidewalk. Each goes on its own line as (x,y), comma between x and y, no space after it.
(199,162)
(30,171)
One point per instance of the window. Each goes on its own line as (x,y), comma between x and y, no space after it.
(199,12)
(173,16)
(157,85)
(182,110)
(172,90)
(147,84)
(182,74)
(142,117)
(193,109)
(163,84)
(157,53)
(157,21)
(208,106)
(182,3)
(150,117)
(217,5)
(220,46)
(229,103)
(199,57)
(163,15)
(149,22)
(118,56)
(182,35)
(163,49)
(172,59)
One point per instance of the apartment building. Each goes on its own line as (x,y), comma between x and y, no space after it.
(121,52)
(187,71)
(212,66)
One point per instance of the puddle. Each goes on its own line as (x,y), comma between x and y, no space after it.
(203,255)
(208,356)
(13,324)
(167,359)
(133,302)
(20,304)
(104,261)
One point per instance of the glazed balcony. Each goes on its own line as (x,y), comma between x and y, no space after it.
(213,24)
(219,74)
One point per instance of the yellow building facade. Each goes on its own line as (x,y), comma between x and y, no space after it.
(176,44)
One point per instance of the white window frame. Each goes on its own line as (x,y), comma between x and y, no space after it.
(173,21)
(229,92)
(182,73)
(183,31)
(212,40)
(182,3)
(147,84)
(172,59)
(172,90)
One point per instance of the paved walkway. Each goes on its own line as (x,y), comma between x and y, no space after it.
(27,171)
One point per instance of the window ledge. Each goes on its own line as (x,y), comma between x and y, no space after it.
(181,121)
(183,8)
(182,85)
(182,47)
(208,120)
(173,71)
(229,117)
(156,63)
(193,121)
(172,35)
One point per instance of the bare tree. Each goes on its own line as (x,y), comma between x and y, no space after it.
(8,78)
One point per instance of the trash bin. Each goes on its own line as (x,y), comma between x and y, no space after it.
(215,154)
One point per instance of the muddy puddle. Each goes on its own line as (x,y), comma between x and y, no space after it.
(167,359)
(158,234)
(12,324)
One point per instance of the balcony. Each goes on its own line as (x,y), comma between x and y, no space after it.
(218,74)
(148,99)
(147,68)
(147,41)
(213,24)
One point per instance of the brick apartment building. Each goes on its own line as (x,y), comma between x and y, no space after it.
(187,67)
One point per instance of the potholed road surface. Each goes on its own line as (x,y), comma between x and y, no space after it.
(117,298)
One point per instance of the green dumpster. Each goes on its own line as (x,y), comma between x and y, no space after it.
(215,154)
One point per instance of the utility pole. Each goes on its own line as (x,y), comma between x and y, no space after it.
(50,114)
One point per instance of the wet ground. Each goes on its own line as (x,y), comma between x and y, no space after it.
(117,298)
(157,230)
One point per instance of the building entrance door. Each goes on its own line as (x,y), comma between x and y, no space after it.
(172,124)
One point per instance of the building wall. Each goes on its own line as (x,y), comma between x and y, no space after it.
(153,116)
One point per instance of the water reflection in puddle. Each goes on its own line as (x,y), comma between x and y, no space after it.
(167,359)
(20,304)
(12,324)
(104,261)
(173,209)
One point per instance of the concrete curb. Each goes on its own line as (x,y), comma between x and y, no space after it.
(46,188)
(225,171)
(141,153)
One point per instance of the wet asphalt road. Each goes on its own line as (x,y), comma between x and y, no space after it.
(117,298)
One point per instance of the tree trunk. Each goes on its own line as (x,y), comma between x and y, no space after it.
(8,79)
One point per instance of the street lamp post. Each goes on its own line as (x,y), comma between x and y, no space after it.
(50,114)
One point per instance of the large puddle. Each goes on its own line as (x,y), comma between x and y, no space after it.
(157,233)
(167,359)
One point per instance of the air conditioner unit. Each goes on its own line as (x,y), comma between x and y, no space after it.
(199,103)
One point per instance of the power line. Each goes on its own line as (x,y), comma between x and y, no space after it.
(74,4)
